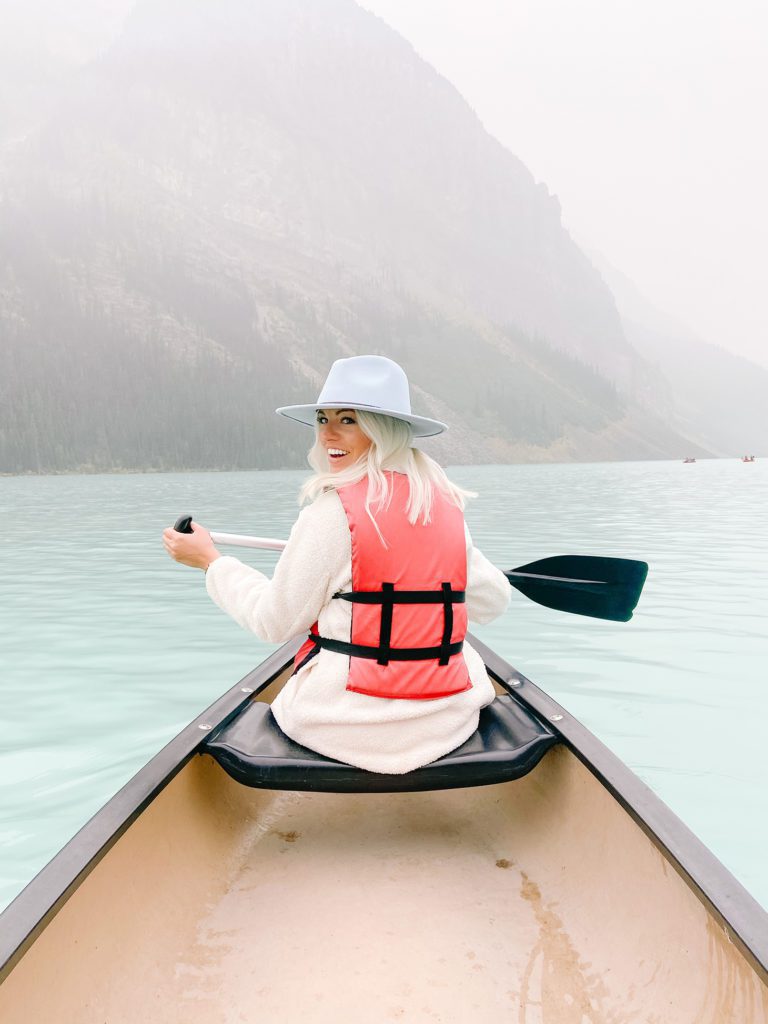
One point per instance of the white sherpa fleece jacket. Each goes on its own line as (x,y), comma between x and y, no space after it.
(315,708)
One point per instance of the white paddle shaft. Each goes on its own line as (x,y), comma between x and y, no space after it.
(272,544)
(241,541)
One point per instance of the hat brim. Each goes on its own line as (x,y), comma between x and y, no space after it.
(421,426)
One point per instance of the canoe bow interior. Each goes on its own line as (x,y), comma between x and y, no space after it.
(535,901)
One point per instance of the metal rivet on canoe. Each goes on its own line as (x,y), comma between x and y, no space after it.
(246,689)
(205,727)
(555,718)
(516,682)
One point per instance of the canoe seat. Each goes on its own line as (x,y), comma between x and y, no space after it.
(252,748)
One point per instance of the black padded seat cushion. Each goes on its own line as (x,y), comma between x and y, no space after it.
(508,743)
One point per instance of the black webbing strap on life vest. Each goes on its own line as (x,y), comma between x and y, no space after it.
(447,623)
(388,597)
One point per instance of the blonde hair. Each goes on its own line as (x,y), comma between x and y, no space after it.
(391,449)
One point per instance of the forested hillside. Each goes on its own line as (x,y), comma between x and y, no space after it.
(234,194)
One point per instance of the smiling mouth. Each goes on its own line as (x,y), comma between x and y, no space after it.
(336,453)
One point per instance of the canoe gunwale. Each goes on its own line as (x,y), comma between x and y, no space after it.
(743,919)
(741,916)
(42,898)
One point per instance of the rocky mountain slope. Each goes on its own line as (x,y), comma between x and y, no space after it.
(712,396)
(236,193)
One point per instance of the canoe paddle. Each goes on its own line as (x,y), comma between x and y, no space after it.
(602,588)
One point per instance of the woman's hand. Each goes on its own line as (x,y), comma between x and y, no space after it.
(195,549)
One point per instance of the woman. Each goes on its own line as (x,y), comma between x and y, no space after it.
(381,572)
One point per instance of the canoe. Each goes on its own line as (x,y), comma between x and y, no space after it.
(527,877)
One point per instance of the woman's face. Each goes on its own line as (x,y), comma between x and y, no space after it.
(339,433)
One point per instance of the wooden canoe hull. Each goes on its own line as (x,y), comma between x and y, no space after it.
(540,901)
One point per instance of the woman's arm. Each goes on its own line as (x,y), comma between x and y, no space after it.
(488,589)
(280,608)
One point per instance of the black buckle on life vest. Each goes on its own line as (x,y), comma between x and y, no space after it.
(388,597)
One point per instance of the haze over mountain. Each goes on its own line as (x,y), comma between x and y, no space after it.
(235,193)
(715,397)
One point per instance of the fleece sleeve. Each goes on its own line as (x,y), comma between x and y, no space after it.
(488,589)
(280,608)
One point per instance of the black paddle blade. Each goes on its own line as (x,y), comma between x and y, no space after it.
(603,588)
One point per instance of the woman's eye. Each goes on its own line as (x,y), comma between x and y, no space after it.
(347,419)
(322,419)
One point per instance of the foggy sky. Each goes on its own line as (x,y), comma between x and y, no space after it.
(646,119)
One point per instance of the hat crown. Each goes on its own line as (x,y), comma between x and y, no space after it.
(372,382)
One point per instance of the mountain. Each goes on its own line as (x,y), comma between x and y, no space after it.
(235,193)
(713,397)
(41,43)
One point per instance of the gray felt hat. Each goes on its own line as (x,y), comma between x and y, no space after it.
(370,383)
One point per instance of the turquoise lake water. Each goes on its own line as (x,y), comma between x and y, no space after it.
(108,648)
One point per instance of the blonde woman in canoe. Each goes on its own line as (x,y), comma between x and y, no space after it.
(381,575)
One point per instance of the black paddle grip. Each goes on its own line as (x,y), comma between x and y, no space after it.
(183,525)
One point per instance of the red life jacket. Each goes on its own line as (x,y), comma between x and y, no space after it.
(408,614)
